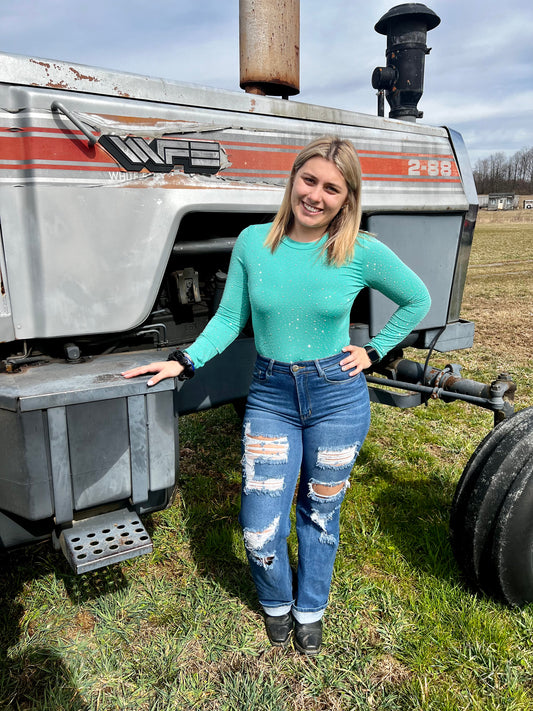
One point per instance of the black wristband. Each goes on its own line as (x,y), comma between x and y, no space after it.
(187,363)
(372,354)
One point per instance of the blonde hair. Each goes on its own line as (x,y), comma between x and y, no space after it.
(344,228)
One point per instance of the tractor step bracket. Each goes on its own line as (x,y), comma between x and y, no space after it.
(101,540)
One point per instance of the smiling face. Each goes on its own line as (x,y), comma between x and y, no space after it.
(318,193)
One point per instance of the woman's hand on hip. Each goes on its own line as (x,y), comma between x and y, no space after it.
(356,360)
(163,369)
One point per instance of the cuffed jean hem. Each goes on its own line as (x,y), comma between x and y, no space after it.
(302,617)
(305,618)
(277,611)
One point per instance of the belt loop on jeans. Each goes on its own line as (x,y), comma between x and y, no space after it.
(270,366)
(318,367)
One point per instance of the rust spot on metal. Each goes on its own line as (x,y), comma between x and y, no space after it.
(55,85)
(269,39)
(255,90)
(46,65)
(181,181)
(163,180)
(51,84)
(137,120)
(124,94)
(81,76)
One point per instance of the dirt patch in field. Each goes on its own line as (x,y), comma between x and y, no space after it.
(388,671)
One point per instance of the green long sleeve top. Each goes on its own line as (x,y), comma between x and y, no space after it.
(300,305)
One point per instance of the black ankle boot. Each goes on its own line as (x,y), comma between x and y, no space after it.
(308,637)
(279,629)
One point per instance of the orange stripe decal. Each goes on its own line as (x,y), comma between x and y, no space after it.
(70,151)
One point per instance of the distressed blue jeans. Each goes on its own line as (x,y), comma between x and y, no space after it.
(306,419)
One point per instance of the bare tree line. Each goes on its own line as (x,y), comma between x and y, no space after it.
(499,173)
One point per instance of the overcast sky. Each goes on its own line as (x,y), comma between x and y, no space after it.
(479,74)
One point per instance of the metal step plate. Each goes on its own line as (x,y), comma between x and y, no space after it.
(101,540)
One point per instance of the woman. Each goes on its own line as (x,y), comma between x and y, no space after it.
(308,409)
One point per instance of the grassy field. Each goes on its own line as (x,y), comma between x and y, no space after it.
(180,629)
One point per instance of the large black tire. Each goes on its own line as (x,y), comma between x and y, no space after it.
(461,508)
(513,540)
(486,500)
(480,494)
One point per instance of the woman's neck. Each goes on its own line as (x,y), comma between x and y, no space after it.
(299,234)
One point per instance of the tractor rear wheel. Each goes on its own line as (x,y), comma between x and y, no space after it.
(483,490)
(513,540)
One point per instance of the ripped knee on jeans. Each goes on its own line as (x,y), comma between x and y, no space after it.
(327,490)
(337,457)
(333,458)
(255,541)
(264,561)
(322,520)
(263,449)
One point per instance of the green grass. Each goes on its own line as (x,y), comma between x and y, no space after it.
(180,629)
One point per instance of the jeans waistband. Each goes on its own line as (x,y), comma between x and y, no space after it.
(316,365)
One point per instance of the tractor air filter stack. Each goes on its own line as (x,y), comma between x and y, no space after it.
(269,39)
(402,80)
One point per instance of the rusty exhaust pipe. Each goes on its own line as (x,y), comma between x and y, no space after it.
(269,43)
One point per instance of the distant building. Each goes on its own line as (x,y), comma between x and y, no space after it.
(505,201)
(502,201)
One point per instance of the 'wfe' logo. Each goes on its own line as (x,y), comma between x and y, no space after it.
(162,155)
